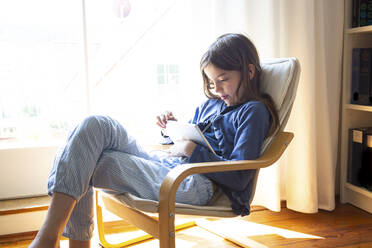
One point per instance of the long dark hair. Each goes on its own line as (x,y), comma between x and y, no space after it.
(235,52)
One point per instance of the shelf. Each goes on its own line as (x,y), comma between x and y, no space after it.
(12,206)
(359,30)
(359,107)
(357,196)
(360,190)
(352,115)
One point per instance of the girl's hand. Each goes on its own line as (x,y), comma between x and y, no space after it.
(163,118)
(183,148)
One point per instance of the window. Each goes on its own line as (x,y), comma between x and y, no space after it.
(61,61)
(42,89)
(145,61)
(168,74)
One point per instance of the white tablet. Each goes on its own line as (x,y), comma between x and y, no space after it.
(186,131)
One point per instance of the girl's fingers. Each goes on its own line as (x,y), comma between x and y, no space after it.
(171,116)
(163,119)
(159,122)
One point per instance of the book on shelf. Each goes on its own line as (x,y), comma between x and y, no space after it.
(365,72)
(355,92)
(361,76)
(361,13)
(355,16)
(359,171)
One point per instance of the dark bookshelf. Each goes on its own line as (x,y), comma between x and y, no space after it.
(361,13)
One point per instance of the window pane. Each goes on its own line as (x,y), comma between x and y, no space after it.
(42,84)
(144,59)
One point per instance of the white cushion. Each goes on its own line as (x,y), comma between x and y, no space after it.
(276,77)
(280,79)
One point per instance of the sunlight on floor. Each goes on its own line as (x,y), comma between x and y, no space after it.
(237,227)
(187,238)
(214,233)
(63,244)
(238,231)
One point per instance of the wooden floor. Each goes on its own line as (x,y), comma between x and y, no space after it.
(346,226)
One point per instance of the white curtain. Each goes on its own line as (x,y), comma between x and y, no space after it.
(312,31)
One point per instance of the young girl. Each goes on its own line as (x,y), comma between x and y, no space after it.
(99,152)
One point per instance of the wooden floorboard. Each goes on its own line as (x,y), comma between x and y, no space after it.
(346,227)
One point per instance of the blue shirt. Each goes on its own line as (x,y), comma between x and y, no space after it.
(235,135)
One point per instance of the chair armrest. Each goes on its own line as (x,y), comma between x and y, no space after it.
(172,181)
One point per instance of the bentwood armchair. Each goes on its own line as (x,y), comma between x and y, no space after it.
(280,79)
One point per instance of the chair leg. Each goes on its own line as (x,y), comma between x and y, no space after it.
(167,236)
(166,229)
(101,233)
(168,241)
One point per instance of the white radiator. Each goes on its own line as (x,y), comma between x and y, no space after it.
(24,170)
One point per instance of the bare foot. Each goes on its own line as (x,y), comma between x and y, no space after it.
(58,214)
(40,242)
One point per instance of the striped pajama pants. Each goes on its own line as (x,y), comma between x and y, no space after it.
(100,153)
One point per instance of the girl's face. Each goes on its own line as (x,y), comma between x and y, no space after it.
(224,84)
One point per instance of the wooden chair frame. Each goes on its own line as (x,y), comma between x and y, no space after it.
(163,228)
